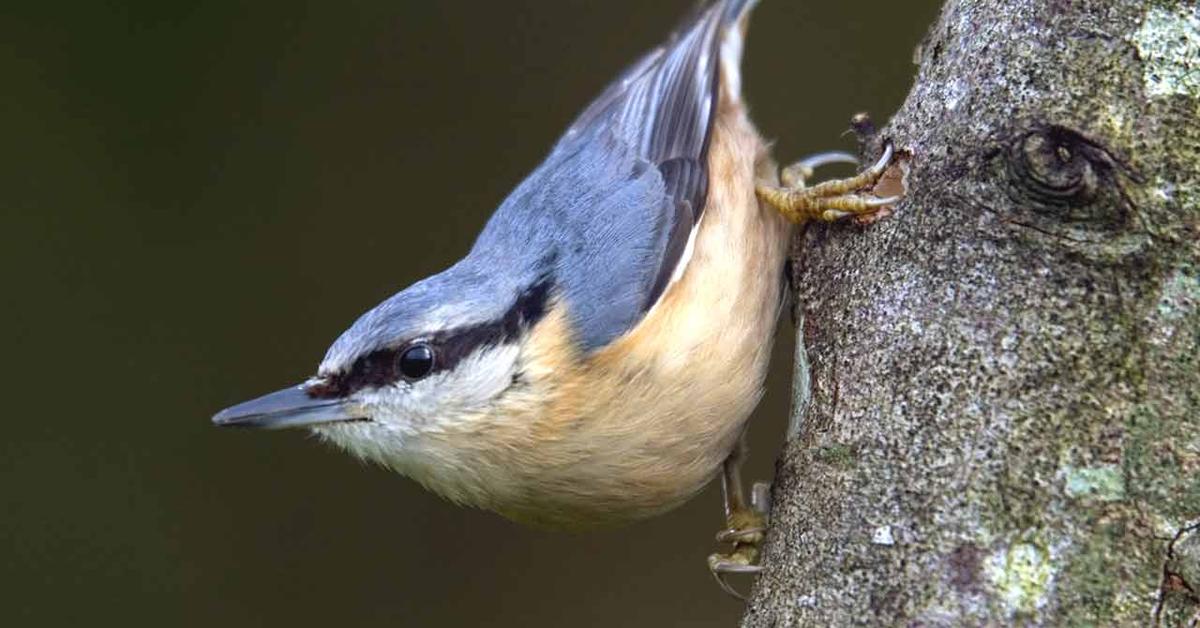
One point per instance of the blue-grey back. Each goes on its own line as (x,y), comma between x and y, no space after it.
(609,213)
(595,218)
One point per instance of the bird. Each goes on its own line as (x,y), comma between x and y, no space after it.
(594,358)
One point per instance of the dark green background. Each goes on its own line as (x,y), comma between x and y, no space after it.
(198,198)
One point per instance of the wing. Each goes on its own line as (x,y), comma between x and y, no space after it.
(662,108)
(617,200)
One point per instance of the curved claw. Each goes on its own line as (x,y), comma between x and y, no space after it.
(728,588)
(742,535)
(883,202)
(796,174)
(812,162)
(884,160)
(721,566)
(856,205)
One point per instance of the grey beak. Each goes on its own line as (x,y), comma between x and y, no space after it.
(290,407)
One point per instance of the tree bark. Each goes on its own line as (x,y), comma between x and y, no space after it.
(998,390)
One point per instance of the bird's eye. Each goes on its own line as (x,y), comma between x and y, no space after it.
(416,361)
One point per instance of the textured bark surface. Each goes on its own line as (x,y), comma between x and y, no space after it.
(1004,375)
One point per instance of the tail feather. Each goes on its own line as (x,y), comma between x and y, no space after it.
(732,42)
(737,9)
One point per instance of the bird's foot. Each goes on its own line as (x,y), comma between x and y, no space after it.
(745,531)
(829,200)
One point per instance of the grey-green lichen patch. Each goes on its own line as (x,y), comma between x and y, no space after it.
(838,455)
(1022,576)
(1180,296)
(1169,45)
(1104,483)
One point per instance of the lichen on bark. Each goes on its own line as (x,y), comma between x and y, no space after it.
(1004,374)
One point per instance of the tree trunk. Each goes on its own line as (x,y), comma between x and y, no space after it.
(996,418)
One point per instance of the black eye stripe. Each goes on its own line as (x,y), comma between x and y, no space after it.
(449,348)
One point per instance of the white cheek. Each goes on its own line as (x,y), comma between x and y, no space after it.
(402,413)
(448,397)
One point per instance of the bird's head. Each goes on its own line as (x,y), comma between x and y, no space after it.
(441,350)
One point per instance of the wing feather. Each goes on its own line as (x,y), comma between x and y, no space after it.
(619,197)
(662,106)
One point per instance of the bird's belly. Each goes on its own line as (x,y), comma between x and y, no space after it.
(643,424)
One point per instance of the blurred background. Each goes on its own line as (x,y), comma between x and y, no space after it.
(198,197)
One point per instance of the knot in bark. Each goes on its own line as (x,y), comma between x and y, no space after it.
(1064,176)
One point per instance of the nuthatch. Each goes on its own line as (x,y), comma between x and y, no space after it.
(593,359)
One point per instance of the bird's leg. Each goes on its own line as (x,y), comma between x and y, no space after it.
(829,200)
(746,524)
